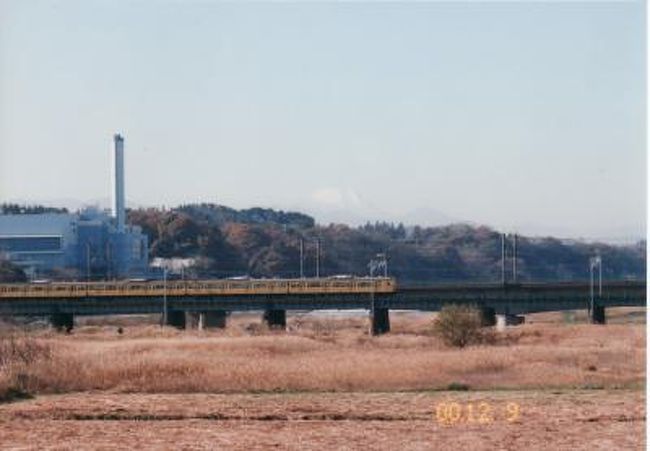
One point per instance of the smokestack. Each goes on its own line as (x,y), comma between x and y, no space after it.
(118,182)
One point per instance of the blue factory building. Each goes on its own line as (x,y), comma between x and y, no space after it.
(88,244)
(79,245)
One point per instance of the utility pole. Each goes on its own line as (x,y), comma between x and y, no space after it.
(600,277)
(164,321)
(379,262)
(514,258)
(382,261)
(590,307)
(593,262)
(505,238)
(503,258)
(317,258)
(302,258)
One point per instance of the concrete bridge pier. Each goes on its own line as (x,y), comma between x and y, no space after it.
(63,322)
(501,322)
(192,320)
(508,319)
(598,315)
(488,316)
(275,319)
(176,318)
(214,319)
(379,321)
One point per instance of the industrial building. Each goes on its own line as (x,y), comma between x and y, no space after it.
(88,244)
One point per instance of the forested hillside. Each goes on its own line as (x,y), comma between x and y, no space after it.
(265,243)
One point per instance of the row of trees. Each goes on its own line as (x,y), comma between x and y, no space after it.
(10,272)
(450,253)
(17,209)
(266,243)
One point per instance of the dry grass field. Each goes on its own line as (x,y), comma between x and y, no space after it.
(557,420)
(325,383)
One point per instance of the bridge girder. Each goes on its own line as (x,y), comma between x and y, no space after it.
(509,299)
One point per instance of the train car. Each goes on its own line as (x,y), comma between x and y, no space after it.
(210,287)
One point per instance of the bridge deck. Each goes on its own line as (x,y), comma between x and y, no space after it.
(303,294)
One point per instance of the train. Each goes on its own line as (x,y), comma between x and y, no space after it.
(190,287)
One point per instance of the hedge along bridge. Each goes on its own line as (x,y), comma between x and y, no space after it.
(209,301)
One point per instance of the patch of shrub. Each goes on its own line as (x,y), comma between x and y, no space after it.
(460,326)
(15,350)
(14,394)
(457,386)
(18,356)
(591,386)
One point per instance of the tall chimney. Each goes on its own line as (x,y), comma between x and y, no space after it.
(118,182)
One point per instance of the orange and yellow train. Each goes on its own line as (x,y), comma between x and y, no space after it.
(214,287)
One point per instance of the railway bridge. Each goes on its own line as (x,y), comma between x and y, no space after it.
(210,301)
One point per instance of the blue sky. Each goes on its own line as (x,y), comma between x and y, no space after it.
(524,116)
